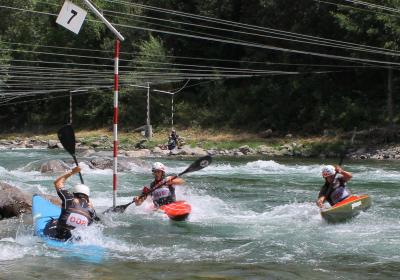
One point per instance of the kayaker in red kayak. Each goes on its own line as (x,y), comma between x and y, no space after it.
(162,189)
(334,190)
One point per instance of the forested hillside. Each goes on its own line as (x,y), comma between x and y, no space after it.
(292,66)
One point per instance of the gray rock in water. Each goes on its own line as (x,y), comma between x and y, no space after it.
(139,153)
(54,166)
(14,202)
(124,164)
(102,163)
(52,144)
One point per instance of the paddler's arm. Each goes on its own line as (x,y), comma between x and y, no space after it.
(322,196)
(173,180)
(346,175)
(139,199)
(320,201)
(59,182)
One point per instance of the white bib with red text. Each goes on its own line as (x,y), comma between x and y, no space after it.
(77,220)
(160,193)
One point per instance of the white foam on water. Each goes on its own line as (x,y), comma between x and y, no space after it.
(85,169)
(378,175)
(204,207)
(3,170)
(10,251)
(261,167)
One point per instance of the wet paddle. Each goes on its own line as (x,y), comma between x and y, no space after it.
(66,136)
(195,166)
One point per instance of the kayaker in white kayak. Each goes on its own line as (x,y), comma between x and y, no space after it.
(162,189)
(334,190)
(76,209)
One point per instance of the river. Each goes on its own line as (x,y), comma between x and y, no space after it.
(252,218)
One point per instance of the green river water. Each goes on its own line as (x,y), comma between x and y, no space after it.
(252,218)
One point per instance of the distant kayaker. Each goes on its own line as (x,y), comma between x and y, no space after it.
(162,189)
(76,209)
(334,190)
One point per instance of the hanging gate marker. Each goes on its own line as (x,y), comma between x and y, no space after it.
(71,17)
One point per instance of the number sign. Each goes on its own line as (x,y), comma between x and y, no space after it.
(71,17)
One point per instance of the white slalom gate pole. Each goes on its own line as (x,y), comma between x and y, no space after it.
(115,120)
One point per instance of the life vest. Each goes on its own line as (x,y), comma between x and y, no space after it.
(162,195)
(79,214)
(338,190)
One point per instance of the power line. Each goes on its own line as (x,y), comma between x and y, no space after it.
(249,44)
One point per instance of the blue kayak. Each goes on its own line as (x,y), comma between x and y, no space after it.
(44,211)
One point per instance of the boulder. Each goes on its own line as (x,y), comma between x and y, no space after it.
(14,202)
(53,166)
(52,144)
(102,163)
(266,150)
(267,133)
(95,144)
(158,150)
(139,153)
(124,164)
(246,150)
(60,146)
(187,150)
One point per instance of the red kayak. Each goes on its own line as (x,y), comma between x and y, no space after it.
(177,211)
(346,209)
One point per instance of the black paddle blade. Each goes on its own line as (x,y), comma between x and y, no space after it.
(198,165)
(118,209)
(66,136)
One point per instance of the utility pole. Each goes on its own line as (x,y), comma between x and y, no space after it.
(148,130)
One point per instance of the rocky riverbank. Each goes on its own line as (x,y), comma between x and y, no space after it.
(320,147)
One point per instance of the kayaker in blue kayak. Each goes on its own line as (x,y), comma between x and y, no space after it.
(334,190)
(162,189)
(76,209)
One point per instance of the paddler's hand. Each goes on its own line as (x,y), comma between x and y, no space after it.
(320,202)
(145,191)
(137,200)
(338,169)
(75,170)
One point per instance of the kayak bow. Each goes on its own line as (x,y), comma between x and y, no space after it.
(346,209)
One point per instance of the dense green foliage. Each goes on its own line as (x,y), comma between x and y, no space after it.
(307,100)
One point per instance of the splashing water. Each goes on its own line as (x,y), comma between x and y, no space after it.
(250,219)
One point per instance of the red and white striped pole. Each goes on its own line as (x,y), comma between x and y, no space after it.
(115,119)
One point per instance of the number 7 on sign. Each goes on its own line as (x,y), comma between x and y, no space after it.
(74,13)
(71,17)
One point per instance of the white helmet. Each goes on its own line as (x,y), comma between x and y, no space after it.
(158,166)
(328,170)
(81,188)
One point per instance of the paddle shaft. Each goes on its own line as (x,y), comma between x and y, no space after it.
(80,175)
